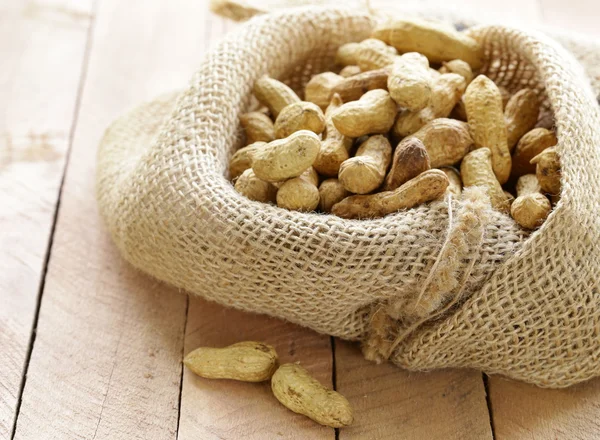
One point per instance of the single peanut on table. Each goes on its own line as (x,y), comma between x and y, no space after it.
(298,391)
(245,361)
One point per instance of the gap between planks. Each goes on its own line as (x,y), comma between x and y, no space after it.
(37,140)
(86,55)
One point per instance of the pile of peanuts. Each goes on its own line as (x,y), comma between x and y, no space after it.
(413,84)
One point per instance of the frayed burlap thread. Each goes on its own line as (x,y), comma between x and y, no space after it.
(529,307)
(445,284)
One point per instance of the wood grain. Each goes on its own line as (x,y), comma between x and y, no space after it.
(106,363)
(38,95)
(526,412)
(391,403)
(224,409)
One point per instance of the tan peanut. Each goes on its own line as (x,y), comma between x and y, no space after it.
(254,188)
(347,54)
(335,147)
(485,116)
(531,207)
(373,113)
(459,67)
(242,159)
(410,159)
(331,191)
(247,361)
(409,81)
(258,127)
(446,93)
(274,94)
(521,114)
(437,43)
(299,116)
(455,182)
(349,71)
(365,171)
(319,89)
(427,186)
(285,158)
(352,88)
(531,144)
(476,170)
(300,193)
(298,391)
(447,141)
(374,54)
(548,171)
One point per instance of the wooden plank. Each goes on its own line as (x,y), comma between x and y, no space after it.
(521,411)
(580,16)
(106,363)
(38,92)
(223,409)
(391,403)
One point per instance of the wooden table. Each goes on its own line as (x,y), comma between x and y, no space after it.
(92,349)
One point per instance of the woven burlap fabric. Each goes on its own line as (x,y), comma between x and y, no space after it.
(525,306)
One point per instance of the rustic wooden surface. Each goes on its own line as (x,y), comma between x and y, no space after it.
(91,349)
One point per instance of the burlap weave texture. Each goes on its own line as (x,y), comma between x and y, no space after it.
(528,306)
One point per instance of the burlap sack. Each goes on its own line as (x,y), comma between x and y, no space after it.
(449,284)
